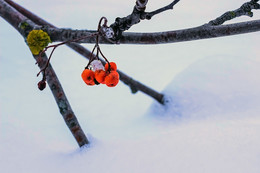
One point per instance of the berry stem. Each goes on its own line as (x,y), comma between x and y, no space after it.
(57,45)
(99,32)
(104,57)
(92,57)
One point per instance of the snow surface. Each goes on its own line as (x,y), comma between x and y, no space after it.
(211,122)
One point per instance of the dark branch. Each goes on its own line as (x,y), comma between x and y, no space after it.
(202,32)
(16,19)
(245,9)
(132,83)
(62,102)
(211,30)
(196,33)
(149,15)
(122,24)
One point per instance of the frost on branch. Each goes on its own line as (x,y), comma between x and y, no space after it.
(108,32)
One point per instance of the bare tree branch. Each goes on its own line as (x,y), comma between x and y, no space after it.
(149,15)
(245,9)
(134,85)
(196,33)
(16,20)
(27,21)
(62,102)
(201,32)
(211,30)
(122,24)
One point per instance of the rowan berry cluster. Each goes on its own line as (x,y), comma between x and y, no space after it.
(94,73)
(98,74)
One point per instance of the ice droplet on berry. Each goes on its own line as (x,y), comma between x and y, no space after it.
(96,65)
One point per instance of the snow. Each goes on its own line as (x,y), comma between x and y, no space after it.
(215,85)
(210,123)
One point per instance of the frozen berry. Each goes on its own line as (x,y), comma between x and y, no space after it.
(112,79)
(96,65)
(42,85)
(100,76)
(113,66)
(88,77)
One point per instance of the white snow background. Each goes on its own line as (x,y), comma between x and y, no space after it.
(210,124)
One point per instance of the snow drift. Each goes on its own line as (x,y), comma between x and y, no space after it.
(214,86)
(210,124)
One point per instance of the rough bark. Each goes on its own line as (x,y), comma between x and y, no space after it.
(244,10)
(122,24)
(197,33)
(134,85)
(211,30)
(62,102)
(23,25)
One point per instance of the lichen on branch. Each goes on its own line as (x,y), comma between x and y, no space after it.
(37,40)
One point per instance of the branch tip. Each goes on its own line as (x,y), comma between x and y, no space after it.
(245,9)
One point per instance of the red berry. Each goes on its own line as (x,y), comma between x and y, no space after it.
(88,77)
(112,79)
(100,76)
(113,66)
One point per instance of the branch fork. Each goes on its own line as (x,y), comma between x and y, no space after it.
(102,30)
(122,24)
(113,34)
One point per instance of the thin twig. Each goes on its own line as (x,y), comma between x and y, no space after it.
(244,10)
(122,24)
(57,45)
(92,57)
(149,15)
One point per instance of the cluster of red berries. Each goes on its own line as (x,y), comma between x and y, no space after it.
(108,75)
